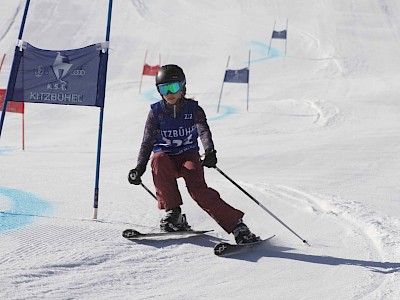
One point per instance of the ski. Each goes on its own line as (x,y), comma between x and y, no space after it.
(132,234)
(227,249)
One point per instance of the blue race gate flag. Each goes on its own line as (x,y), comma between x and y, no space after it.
(239,76)
(279,34)
(68,77)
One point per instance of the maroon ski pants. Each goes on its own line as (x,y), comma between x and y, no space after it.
(167,168)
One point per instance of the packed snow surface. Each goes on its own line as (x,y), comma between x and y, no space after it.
(317,144)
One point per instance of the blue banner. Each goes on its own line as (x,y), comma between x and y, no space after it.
(68,77)
(279,34)
(239,76)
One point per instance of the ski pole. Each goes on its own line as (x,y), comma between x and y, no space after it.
(150,192)
(262,206)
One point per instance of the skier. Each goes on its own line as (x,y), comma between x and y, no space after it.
(172,129)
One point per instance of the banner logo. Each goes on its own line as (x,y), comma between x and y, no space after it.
(61,67)
(40,71)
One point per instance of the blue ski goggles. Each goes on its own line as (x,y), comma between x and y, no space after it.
(171,87)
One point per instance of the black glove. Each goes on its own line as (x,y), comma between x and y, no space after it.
(135,174)
(210,159)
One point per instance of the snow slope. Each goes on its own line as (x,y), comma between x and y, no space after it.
(319,147)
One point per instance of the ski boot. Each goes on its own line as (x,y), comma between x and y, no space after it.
(243,235)
(173,220)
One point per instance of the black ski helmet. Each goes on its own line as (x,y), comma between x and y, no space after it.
(171,73)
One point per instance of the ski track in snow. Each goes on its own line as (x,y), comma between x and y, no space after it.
(378,233)
(11,22)
(355,214)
